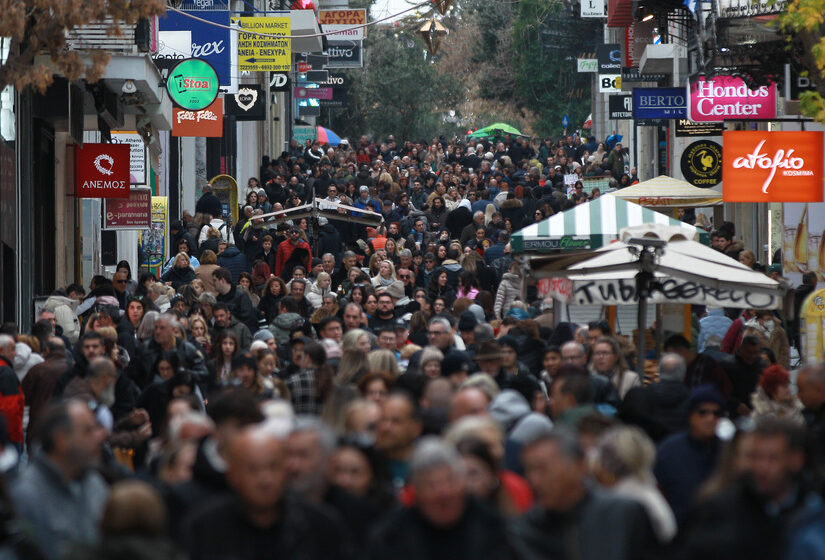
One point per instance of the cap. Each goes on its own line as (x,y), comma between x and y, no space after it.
(396,290)
(455,362)
(705,394)
(263,334)
(400,323)
(316,261)
(518,313)
(363,188)
(488,350)
(467,321)
(509,341)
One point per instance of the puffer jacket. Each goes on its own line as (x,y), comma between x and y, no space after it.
(65,315)
(509,290)
(283,324)
(315,295)
(715,323)
(235,261)
(25,359)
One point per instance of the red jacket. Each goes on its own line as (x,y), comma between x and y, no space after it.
(285,250)
(12,401)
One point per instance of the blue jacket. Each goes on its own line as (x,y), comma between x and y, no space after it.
(715,323)
(235,261)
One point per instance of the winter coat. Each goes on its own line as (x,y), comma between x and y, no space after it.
(509,290)
(147,353)
(283,324)
(658,511)
(269,306)
(241,307)
(763,405)
(12,401)
(513,209)
(65,315)
(204,274)
(25,359)
(715,323)
(289,256)
(315,295)
(329,241)
(179,276)
(459,218)
(235,261)
(660,409)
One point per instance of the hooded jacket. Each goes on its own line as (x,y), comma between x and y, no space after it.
(714,323)
(289,255)
(235,261)
(459,218)
(509,290)
(65,315)
(283,324)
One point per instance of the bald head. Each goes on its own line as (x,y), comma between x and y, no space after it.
(257,468)
(469,401)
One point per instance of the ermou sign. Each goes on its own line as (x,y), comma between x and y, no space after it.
(729,98)
(761,166)
(102,171)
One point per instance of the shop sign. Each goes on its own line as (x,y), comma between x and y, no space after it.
(566,242)
(102,171)
(593,9)
(702,164)
(192,84)
(206,123)
(729,98)
(266,47)
(659,103)
(134,212)
(610,58)
(342,25)
(761,166)
(587,65)
(620,107)
(686,128)
(249,104)
(207,40)
(137,154)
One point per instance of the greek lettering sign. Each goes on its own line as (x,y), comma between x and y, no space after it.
(206,123)
(659,103)
(340,23)
(134,212)
(762,166)
(259,54)
(102,171)
(702,164)
(620,106)
(729,98)
(192,84)
(137,154)
(686,128)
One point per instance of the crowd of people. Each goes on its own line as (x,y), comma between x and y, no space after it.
(334,390)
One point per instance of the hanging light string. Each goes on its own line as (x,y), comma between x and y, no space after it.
(272,36)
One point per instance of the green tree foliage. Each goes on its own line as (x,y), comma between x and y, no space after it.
(802,21)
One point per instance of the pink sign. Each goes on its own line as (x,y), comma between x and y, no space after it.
(726,98)
(302,92)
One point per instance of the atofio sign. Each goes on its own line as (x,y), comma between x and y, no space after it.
(102,171)
(728,98)
(764,166)
(192,84)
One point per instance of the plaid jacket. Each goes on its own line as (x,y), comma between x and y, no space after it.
(303,390)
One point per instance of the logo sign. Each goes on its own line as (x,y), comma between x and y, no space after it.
(206,123)
(137,154)
(610,58)
(620,106)
(102,171)
(634,76)
(279,82)
(568,243)
(173,46)
(764,166)
(304,133)
(702,163)
(304,66)
(192,84)
(345,55)
(593,9)
(134,212)
(259,54)
(343,24)
(565,120)
(728,98)
(686,128)
(301,92)
(209,42)
(331,81)
(610,83)
(659,103)
(587,65)
(249,104)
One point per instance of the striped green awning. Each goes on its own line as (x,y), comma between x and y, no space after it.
(589,226)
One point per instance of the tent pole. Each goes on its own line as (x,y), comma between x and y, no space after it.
(641,319)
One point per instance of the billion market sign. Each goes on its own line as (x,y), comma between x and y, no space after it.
(193,84)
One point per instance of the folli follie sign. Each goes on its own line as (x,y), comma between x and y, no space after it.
(102,171)
(764,166)
(206,123)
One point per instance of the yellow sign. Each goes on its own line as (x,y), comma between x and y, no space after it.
(154,240)
(261,54)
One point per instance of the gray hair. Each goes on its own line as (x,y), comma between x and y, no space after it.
(573,344)
(6,341)
(432,452)
(405,253)
(563,438)
(441,321)
(207,298)
(147,324)
(672,368)
(483,333)
(626,451)
(325,255)
(326,437)
(348,255)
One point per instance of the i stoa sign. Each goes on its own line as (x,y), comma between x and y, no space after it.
(729,98)
(762,166)
(102,171)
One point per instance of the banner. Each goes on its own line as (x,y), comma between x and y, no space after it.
(153,239)
(102,171)
(659,103)
(803,249)
(340,24)
(134,212)
(259,54)
(761,166)
(249,104)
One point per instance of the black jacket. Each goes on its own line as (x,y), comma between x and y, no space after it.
(178,276)
(241,307)
(329,241)
(209,204)
(148,352)
(659,409)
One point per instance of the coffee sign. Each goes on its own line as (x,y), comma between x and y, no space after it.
(702,163)
(192,84)
(102,171)
(761,166)
(729,98)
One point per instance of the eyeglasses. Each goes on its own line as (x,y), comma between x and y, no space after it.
(122,281)
(436,333)
(708,411)
(404,276)
(603,353)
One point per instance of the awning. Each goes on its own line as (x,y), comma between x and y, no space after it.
(590,226)
(667,192)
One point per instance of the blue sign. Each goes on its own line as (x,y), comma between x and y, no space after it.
(209,42)
(659,103)
(565,120)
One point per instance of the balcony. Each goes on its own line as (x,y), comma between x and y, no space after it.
(134,39)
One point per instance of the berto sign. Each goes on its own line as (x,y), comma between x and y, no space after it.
(192,84)
(102,171)
(764,166)
(728,98)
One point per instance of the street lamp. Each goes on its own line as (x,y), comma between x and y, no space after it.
(647,250)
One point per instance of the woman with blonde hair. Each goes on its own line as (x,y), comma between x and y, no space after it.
(358,339)
(318,289)
(181,272)
(386,274)
(383,360)
(351,366)
(200,332)
(609,360)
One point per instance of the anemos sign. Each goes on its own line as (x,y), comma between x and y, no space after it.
(728,98)
(102,171)
(764,166)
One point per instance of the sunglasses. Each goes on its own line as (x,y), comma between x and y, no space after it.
(403,276)
(708,411)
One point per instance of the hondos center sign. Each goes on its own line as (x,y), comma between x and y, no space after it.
(728,98)
(761,166)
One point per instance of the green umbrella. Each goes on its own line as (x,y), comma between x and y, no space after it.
(495,129)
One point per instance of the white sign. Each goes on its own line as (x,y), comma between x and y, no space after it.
(343,32)
(610,83)
(593,9)
(174,46)
(137,154)
(587,65)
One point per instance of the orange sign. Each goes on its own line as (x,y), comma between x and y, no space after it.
(206,123)
(760,166)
